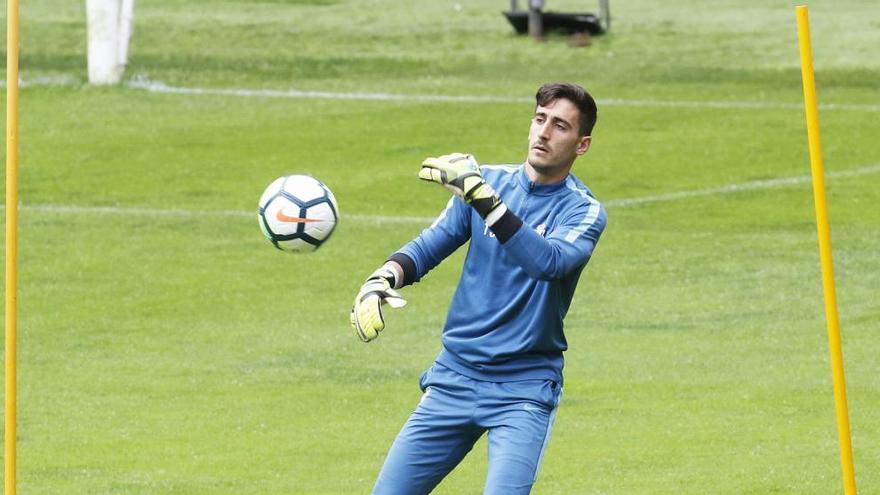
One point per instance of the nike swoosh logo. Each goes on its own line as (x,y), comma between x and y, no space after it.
(284,218)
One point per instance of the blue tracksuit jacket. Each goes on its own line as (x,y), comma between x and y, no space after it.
(505,319)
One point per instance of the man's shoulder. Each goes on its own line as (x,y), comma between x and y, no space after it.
(583,197)
(578,189)
(499,170)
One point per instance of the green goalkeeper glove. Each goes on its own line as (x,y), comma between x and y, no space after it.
(366,313)
(460,173)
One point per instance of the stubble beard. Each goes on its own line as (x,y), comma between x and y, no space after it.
(548,168)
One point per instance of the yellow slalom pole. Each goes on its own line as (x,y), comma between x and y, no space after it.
(824,231)
(11,238)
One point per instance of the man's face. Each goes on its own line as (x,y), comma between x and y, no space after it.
(554,139)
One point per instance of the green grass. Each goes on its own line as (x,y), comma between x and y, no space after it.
(181,354)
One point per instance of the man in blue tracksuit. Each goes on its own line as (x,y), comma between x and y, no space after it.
(532,229)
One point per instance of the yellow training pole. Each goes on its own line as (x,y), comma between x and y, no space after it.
(11,237)
(822,226)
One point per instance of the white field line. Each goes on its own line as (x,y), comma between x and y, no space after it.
(61,80)
(142,83)
(160,87)
(758,185)
(186,213)
(741,187)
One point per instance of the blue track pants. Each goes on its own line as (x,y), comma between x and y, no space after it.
(454,412)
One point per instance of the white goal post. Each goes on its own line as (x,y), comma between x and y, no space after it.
(110,25)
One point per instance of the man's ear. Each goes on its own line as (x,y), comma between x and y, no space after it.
(584,144)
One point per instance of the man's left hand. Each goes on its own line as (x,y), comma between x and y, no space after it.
(460,173)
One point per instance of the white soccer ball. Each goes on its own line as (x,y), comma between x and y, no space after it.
(297,213)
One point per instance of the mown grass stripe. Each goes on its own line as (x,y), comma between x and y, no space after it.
(160,87)
(756,185)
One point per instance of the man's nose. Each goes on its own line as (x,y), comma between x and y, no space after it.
(544,130)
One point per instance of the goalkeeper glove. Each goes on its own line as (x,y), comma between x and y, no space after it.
(460,173)
(366,313)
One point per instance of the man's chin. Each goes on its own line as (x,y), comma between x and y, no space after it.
(539,164)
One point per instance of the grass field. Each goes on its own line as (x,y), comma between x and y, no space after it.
(166,348)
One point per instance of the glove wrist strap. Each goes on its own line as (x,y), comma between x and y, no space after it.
(390,272)
(484,199)
(409,273)
(507,226)
(495,215)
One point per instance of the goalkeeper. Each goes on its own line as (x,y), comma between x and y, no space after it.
(532,229)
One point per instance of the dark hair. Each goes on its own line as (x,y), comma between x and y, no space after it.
(575,94)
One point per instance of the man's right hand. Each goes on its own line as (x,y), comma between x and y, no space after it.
(366,313)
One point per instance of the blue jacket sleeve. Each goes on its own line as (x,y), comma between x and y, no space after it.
(450,230)
(568,247)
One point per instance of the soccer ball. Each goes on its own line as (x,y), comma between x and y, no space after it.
(297,213)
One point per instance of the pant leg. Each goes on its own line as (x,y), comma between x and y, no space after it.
(519,430)
(435,438)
